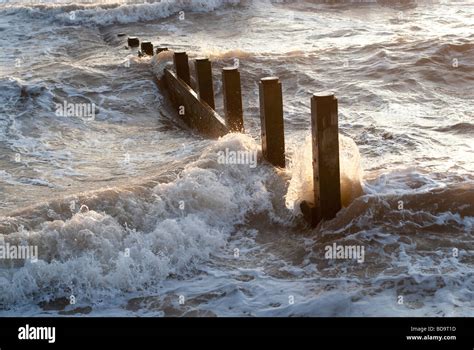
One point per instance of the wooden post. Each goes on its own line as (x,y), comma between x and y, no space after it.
(204,81)
(232,93)
(161,49)
(326,173)
(133,41)
(271,116)
(181,66)
(147,48)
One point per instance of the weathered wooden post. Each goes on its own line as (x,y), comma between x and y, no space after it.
(271,116)
(232,93)
(181,66)
(326,173)
(204,81)
(133,41)
(147,48)
(161,49)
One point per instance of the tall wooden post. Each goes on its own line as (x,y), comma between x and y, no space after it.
(204,81)
(181,66)
(326,172)
(271,116)
(232,93)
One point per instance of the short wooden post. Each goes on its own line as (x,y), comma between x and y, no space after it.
(326,172)
(271,116)
(181,66)
(204,81)
(133,41)
(147,48)
(232,93)
(161,49)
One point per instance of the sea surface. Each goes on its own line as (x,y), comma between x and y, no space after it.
(133,215)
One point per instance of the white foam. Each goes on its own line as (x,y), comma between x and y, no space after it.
(110,12)
(188,220)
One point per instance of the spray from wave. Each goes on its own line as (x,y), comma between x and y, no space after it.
(301,184)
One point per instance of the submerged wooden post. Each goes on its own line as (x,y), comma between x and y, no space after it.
(271,116)
(204,81)
(232,93)
(181,66)
(133,41)
(326,172)
(161,49)
(147,48)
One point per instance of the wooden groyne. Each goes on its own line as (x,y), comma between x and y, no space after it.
(194,112)
(197,110)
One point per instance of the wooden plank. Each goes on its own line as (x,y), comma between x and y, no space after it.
(195,113)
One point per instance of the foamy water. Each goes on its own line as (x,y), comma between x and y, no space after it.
(134,215)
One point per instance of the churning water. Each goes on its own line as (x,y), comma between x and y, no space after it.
(133,215)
